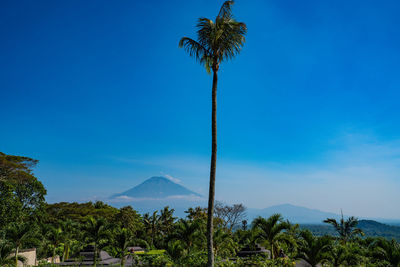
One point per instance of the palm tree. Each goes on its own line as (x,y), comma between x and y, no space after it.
(387,250)
(345,228)
(187,233)
(224,245)
(313,249)
(18,234)
(217,41)
(166,221)
(54,236)
(350,254)
(271,231)
(96,231)
(68,227)
(5,252)
(122,239)
(152,225)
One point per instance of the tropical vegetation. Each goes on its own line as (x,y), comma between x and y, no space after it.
(62,230)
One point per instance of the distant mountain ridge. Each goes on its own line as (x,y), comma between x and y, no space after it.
(157,192)
(157,187)
(369,227)
(295,214)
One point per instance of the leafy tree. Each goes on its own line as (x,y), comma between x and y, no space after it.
(96,232)
(196,213)
(217,41)
(23,197)
(313,249)
(128,218)
(345,228)
(10,206)
(271,231)
(231,215)
(79,212)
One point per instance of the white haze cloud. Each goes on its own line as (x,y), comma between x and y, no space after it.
(120,199)
(173,179)
(362,178)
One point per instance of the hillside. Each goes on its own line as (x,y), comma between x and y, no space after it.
(369,227)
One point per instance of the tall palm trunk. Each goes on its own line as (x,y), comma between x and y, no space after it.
(16,256)
(54,254)
(211,193)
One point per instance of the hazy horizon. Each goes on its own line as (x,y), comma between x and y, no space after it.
(308,112)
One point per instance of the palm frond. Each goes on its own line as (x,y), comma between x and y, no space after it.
(226,10)
(196,50)
(216,41)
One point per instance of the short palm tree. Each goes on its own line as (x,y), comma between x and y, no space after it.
(18,234)
(96,231)
(188,233)
(217,41)
(5,252)
(314,249)
(152,226)
(387,250)
(345,228)
(122,239)
(350,254)
(271,231)
(224,245)
(68,228)
(54,236)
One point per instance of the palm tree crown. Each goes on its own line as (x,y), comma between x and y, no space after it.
(345,228)
(271,230)
(217,40)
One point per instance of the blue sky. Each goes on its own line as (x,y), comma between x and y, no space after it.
(308,113)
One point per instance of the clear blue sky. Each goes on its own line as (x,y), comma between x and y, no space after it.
(308,113)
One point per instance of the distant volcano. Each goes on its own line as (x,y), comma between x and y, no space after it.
(156,188)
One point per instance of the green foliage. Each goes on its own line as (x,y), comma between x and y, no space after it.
(128,218)
(217,40)
(314,249)
(6,249)
(79,212)
(68,227)
(346,229)
(22,194)
(369,228)
(271,233)
(388,251)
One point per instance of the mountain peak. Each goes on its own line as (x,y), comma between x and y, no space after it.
(157,187)
(159,178)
